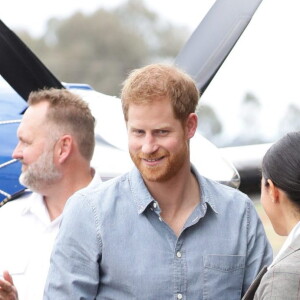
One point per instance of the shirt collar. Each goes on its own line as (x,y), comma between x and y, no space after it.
(36,206)
(143,198)
(206,196)
(30,200)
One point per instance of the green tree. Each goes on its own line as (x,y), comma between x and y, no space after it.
(102,48)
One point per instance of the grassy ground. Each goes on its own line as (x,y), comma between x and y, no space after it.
(275,239)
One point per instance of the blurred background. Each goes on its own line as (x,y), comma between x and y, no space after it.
(253,99)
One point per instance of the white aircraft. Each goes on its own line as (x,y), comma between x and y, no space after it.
(201,57)
(247,160)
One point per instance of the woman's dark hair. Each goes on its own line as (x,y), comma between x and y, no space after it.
(281,164)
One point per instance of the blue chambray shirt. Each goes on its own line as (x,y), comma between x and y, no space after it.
(113,245)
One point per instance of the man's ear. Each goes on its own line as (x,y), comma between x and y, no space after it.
(191,125)
(273,191)
(63,147)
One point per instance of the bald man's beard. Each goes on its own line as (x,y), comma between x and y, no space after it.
(41,174)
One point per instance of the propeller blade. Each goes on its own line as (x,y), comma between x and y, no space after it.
(21,68)
(211,42)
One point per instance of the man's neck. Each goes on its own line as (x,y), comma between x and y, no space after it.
(54,206)
(56,196)
(177,198)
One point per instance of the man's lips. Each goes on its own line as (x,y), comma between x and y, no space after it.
(152,161)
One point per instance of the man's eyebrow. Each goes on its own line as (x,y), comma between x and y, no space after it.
(163,127)
(134,127)
(22,137)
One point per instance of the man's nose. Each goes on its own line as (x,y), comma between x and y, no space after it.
(17,153)
(150,144)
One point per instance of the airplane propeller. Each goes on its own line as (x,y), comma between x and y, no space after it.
(21,68)
(216,35)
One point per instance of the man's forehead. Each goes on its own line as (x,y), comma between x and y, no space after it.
(152,123)
(35,114)
(33,120)
(37,108)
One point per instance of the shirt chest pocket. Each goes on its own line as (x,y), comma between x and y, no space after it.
(223,276)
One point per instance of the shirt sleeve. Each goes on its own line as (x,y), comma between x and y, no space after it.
(259,250)
(74,265)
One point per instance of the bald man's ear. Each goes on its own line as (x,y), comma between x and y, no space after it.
(63,147)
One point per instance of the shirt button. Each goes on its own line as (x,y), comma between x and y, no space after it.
(154,204)
(178,254)
(160,219)
(179,296)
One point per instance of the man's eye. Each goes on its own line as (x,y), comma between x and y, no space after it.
(162,132)
(138,132)
(23,143)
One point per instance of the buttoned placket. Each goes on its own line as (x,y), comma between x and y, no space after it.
(179,257)
(180,269)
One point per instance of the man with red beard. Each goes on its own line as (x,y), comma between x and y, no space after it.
(161,231)
(55,152)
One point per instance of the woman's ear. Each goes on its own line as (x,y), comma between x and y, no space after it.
(191,125)
(64,147)
(273,191)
